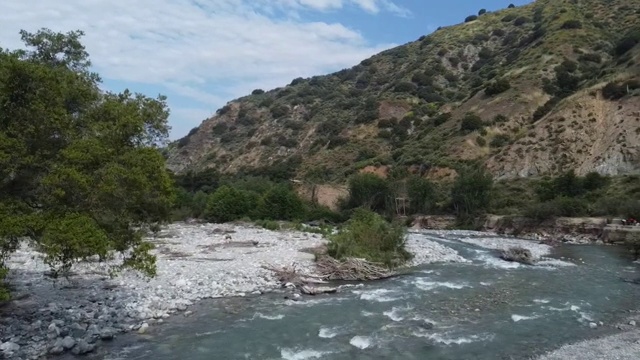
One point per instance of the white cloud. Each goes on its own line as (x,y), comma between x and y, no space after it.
(192,46)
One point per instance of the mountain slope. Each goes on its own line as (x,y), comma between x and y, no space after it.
(520,90)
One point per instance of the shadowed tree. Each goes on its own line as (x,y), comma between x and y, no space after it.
(80,170)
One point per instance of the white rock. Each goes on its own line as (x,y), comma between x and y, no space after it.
(593,325)
(143,328)
(632,323)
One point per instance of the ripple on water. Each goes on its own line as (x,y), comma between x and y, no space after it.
(395,313)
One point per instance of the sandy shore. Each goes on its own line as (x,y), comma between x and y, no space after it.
(195,262)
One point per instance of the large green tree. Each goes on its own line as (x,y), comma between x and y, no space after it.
(80,170)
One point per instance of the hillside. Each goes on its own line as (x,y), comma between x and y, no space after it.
(529,91)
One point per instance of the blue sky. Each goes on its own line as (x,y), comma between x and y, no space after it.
(203,53)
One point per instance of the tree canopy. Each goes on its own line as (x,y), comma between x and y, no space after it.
(80,170)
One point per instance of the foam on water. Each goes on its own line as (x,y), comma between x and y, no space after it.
(267,317)
(541,301)
(361,342)
(447,339)
(378,295)
(554,263)
(329,332)
(423,284)
(367,313)
(494,262)
(395,313)
(517,318)
(295,354)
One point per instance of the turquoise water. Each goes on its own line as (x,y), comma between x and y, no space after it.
(486,309)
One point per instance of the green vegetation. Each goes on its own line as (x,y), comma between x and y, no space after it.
(367,235)
(80,170)
(471,193)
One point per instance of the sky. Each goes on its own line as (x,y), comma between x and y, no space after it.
(203,53)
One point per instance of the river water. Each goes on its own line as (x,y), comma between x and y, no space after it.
(485,309)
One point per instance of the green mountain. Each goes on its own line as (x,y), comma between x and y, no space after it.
(528,91)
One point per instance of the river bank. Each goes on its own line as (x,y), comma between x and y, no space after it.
(194,262)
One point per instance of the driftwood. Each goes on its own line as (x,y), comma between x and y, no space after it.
(351,269)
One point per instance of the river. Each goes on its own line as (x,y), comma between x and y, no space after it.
(484,309)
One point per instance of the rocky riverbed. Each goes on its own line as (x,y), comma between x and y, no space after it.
(195,262)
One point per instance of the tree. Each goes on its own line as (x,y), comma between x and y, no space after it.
(511,6)
(421,194)
(497,87)
(482,12)
(369,191)
(229,204)
(281,203)
(470,193)
(80,170)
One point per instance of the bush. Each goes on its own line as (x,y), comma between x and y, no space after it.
(368,236)
(229,204)
(471,122)
(405,87)
(441,119)
(511,6)
(498,32)
(482,12)
(257,92)
(571,24)
(590,57)
(627,43)
(499,140)
(497,87)
(279,110)
(481,141)
(545,109)
(471,18)
(369,191)
(520,21)
(508,18)
(281,203)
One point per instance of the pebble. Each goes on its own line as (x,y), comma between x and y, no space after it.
(97,307)
(593,325)
(632,323)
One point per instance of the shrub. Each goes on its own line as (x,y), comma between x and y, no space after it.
(470,18)
(485,53)
(405,87)
(367,235)
(296,81)
(520,21)
(257,92)
(545,109)
(441,119)
(482,12)
(280,203)
(481,141)
(614,91)
(471,122)
(571,24)
(511,6)
(591,57)
(369,191)
(279,110)
(509,18)
(500,140)
(223,110)
(229,204)
(594,181)
(498,119)
(497,87)
(627,43)
(498,32)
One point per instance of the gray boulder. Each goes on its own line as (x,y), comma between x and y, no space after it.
(83,347)
(518,254)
